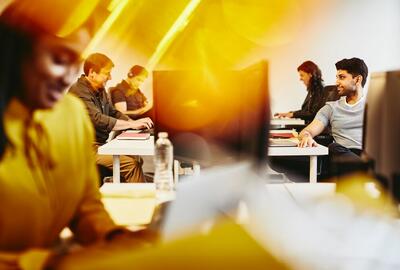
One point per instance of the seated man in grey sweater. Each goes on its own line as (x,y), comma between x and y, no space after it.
(345,116)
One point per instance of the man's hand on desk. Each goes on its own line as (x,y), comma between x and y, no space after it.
(284,115)
(141,123)
(307,141)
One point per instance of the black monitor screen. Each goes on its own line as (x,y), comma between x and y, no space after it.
(208,114)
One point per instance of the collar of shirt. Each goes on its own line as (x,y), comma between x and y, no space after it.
(25,128)
(360,100)
(97,93)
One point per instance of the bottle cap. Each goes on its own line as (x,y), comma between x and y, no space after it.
(162,135)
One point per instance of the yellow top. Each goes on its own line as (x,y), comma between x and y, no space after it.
(48,179)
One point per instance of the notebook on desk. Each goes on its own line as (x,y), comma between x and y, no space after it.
(133,135)
(282,142)
(283,138)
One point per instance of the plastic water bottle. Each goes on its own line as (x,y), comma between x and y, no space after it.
(163,160)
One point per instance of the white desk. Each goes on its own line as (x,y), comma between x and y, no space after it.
(313,152)
(117,148)
(283,122)
(129,204)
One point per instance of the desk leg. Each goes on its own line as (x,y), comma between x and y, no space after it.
(116,168)
(313,169)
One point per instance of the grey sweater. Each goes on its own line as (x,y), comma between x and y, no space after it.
(346,121)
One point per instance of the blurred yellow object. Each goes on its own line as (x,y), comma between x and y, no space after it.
(59,19)
(266,23)
(227,246)
(366,193)
(34,259)
(116,12)
(183,34)
(176,28)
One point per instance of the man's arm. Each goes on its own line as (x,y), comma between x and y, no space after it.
(315,128)
(309,132)
(99,120)
(133,124)
(121,106)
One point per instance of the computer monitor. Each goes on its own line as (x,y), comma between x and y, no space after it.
(382,122)
(214,116)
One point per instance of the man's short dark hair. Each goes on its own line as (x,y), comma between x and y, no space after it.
(96,62)
(137,70)
(354,66)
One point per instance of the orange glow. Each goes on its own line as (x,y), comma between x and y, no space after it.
(266,23)
(60,19)
(78,15)
(178,26)
(219,34)
(211,100)
(106,26)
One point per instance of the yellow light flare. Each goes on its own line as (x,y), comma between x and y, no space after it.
(113,4)
(105,27)
(78,15)
(175,29)
(365,193)
(266,23)
(191,103)
(60,20)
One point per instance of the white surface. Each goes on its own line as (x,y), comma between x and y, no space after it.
(218,191)
(129,203)
(128,147)
(198,201)
(286,121)
(328,232)
(116,169)
(303,193)
(313,152)
(320,150)
(306,192)
(137,190)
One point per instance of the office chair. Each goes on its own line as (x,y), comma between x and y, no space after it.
(103,173)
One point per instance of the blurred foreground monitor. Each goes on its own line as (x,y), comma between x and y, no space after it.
(214,116)
(382,125)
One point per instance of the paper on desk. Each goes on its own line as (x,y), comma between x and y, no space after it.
(125,211)
(133,130)
(129,204)
(128,190)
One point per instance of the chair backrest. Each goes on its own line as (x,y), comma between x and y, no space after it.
(331,93)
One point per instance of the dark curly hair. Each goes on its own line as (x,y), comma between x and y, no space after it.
(96,62)
(15,47)
(137,70)
(354,66)
(316,85)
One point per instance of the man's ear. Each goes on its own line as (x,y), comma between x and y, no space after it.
(91,73)
(359,79)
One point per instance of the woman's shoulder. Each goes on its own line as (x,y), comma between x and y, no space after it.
(116,92)
(72,103)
